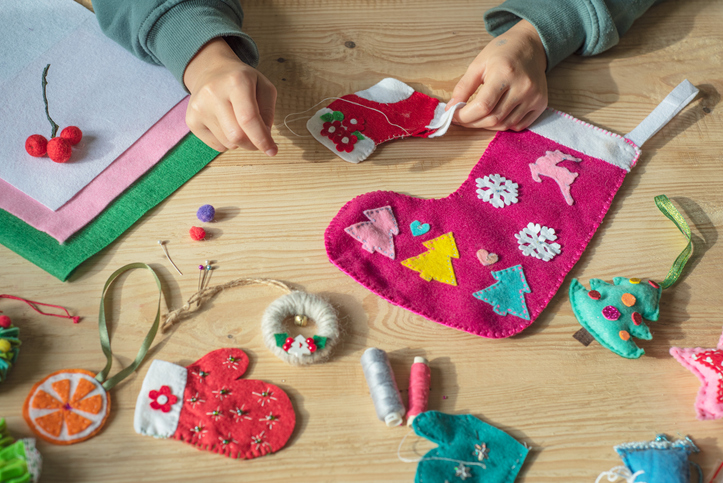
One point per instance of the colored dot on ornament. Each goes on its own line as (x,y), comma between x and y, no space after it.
(634,281)
(628,299)
(5,321)
(637,318)
(624,335)
(5,346)
(653,284)
(611,313)
(594,294)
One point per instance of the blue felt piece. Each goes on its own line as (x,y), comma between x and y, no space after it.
(458,457)
(508,294)
(662,461)
(419,229)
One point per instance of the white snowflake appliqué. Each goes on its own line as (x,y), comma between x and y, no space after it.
(497,190)
(533,242)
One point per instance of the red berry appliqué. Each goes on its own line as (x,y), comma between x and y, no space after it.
(59,149)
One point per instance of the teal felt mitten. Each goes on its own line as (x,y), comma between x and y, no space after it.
(614,314)
(468,449)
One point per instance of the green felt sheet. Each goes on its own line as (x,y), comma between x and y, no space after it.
(179,165)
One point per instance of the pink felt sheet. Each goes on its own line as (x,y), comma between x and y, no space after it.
(97,195)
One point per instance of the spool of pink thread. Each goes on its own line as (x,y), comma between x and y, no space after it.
(419,380)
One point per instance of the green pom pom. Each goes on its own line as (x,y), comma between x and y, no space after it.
(281,339)
(327,117)
(320,341)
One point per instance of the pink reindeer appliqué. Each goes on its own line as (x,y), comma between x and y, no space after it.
(547,166)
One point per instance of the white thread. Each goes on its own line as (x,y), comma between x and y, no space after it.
(300,303)
(620,472)
(437,458)
(337,99)
(382,386)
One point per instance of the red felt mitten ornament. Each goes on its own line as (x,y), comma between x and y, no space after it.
(354,125)
(208,406)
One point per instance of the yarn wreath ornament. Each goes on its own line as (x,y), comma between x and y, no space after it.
(208,406)
(527,230)
(72,405)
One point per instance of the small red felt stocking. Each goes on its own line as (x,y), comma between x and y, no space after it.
(354,125)
(208,406)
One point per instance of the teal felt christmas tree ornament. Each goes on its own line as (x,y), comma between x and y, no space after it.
(469,450)
(614,313)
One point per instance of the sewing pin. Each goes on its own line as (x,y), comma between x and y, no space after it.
(165,250)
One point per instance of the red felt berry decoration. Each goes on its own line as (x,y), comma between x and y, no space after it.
(5,321)
(197,233)
(72,134)
(59,150)
(36,145)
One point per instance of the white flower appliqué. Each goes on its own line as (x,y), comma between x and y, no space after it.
(497,190)
(533,242)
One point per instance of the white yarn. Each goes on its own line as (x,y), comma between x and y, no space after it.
(300,303)
(620,472)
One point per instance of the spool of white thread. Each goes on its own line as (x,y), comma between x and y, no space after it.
(382,386)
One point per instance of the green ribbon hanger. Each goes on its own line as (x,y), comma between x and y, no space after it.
(667,208)
(109,383)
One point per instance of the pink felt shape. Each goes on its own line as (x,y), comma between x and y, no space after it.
(476,224)
(376,234)
(486,258)
(94,197)
(707,365)
(547,165)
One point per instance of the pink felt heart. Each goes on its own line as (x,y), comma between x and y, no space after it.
(486,258)
(503,208)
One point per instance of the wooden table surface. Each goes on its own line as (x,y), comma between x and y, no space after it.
(568,402)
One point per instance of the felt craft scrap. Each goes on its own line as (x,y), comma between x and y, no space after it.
(20,461)
(178,166)
(541,232)
(707,365)
(468,449)
(208,406)
(658,461)
(354,125)
(613,314)
(72,405)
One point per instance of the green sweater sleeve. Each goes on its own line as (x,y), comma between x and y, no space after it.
(587,27)
(170,32)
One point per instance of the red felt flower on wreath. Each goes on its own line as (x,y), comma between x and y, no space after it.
(333,130)
(354,124)
(163,399)
(345,143)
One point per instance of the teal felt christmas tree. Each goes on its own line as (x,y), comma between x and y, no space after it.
(508,294)
(613,314)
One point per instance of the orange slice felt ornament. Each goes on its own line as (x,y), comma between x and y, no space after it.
(72,405)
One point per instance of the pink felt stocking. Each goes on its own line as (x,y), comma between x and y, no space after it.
(354,125)
(527,211)
(208,406)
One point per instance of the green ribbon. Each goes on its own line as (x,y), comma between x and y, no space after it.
(667,208)
(105,338)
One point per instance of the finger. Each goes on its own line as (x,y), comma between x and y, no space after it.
(209,139)
(527,120)
(467,85)
(507,109)
(228,130)
(482,105)
(266,98)
(249,118)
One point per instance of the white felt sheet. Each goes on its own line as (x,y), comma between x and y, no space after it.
(94,84)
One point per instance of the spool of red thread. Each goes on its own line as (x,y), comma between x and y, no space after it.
(419,380)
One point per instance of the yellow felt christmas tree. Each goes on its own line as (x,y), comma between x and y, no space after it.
(436,262)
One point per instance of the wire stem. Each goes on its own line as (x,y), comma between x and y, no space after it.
(53,126)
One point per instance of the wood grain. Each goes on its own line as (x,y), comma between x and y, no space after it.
(570,403)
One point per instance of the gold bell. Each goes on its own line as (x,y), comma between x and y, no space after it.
(301,320)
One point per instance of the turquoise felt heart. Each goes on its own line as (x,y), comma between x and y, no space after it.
(418,228)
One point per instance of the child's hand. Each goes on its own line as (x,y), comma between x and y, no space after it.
(511,71)
(232,104)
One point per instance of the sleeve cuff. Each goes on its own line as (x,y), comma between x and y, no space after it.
(159,404)
(565,27)
(179,34)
